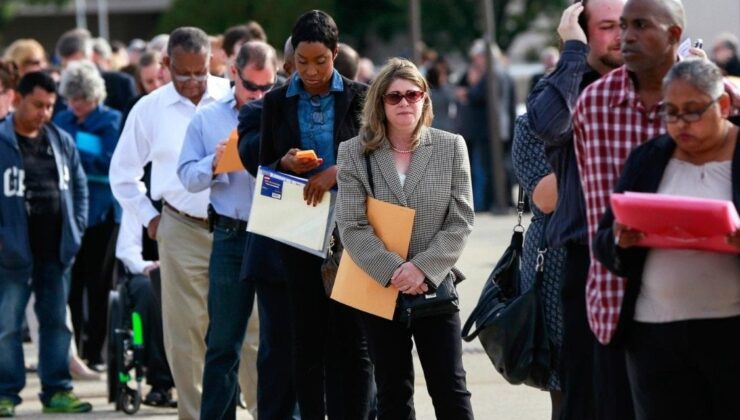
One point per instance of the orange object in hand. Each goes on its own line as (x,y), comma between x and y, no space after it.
(306,154)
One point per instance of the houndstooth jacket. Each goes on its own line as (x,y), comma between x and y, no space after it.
(437,186)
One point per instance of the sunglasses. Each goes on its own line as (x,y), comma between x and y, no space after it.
(411,96)
(248,85)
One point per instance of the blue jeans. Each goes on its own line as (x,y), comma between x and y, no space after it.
(50,284)
(230,301)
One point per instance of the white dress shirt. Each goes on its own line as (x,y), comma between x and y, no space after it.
(154,132)
(129,244)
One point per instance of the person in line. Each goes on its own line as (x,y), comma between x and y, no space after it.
(28,54)
(317,109)
(44,208)
(536,177)
(683,306)
(8,81)
(591,48)
(154,132)
(230,300)
(144,296)
(428,170)
(95,128)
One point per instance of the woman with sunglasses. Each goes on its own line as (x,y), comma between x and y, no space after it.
(415,166)
(683,341)
(317,109)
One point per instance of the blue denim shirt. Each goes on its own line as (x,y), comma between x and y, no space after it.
(96,138)
(316,119)
(550,112)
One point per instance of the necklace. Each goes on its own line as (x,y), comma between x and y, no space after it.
(399,150)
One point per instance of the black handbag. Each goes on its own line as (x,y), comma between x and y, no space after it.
(510,323)
(439,301)
(330,265)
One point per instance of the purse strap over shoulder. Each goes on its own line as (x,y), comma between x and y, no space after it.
(369,174)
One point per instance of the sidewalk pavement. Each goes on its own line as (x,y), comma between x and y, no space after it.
(493,397)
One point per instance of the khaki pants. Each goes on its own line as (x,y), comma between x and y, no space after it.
(184,250)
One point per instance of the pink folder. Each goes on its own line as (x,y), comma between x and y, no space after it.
(671,221)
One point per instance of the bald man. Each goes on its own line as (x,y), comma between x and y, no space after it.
(613,116)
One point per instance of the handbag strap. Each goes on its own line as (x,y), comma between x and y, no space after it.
(369,174)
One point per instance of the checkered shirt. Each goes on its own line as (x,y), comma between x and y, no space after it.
(608,123)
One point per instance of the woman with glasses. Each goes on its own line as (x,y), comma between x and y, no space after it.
(415,166)
(683,344)
(316,110)
(95,128)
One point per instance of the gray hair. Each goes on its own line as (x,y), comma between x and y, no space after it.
(256,53)
(189,39)
(159,43)
(102,48)
(73,42)
(81,79)
(701,74)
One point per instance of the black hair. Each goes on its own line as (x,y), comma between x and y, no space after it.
(40,79)
(234,35)
(190,39)
(315,26)
(583,18)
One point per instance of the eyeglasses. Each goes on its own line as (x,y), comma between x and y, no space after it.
(671,117)
(178,77)
(411,96)
(248,85)
(316,114)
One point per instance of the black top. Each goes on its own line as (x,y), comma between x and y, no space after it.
(43,199)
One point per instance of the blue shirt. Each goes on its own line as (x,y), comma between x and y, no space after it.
(550,112)
(316,119)
(96,138)
(231,193)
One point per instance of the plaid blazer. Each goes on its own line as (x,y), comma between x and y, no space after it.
(437,186)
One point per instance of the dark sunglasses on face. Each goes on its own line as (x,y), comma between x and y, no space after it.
(248,85)
(394,98)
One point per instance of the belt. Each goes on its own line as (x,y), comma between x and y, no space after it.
(199,220)
(226,222)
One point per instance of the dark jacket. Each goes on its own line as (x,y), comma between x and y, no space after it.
(280,130)
(16,259)
(120,88)
(643,172)
(105,123)
(250,118)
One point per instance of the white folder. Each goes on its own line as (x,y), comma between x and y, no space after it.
(280,212)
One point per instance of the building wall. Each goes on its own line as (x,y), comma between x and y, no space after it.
(708,18)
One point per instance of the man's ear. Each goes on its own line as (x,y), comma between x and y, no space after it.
(16,98)
(166,61)
(675,32)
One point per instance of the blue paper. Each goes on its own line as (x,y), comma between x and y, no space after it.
(89,143)
(272,186)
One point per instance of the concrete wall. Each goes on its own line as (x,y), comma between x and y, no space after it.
(708,18)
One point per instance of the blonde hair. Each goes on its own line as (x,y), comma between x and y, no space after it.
(373,133)
(21,51)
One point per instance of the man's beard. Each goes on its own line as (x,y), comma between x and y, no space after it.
(611,61)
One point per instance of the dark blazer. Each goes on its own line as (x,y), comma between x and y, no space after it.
(643,172)
(250,118)
(121,89)
(280,130)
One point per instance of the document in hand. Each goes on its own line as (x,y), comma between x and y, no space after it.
(230,161)
(89,143)
(353,286)
(280,212)
(671,221)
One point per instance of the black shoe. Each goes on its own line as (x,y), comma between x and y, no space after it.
(99,367)
(160,397)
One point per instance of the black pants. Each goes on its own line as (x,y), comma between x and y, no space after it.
(686,369)
(328,343)
(594,376)
(92,275)
(145,302)
(439,347)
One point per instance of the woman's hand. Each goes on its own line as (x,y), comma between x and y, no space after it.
(291,163)
(625,237)
(734,238)
(319,184)
(409,279)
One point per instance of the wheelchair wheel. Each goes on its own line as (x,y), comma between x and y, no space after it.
(115,322)
(129,400)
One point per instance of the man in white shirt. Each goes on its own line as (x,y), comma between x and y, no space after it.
(154,132)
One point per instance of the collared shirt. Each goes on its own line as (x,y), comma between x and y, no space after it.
(129,246)
(231,193)
(550,112)
(154,132)
(610,120)
(316,119)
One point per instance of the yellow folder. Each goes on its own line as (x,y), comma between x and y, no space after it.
(230,161)
(353,286)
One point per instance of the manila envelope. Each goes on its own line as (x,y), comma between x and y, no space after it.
(230,161)
(353,286)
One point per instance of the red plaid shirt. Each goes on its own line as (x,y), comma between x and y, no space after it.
(610,121)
